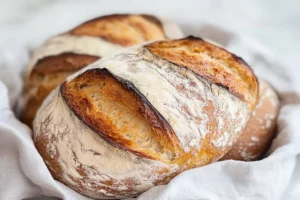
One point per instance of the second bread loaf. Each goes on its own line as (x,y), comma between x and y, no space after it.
(66,53)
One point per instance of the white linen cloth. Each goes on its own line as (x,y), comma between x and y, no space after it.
(23,173)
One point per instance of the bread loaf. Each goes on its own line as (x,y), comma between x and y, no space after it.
(135,120)
(65,54)
(260,129)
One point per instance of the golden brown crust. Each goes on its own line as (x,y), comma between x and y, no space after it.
(47,75)
(51,71)
(211,62)
(63,63)
(260,129)
(94,95)
(125,29)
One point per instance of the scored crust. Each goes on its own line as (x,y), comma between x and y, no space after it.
(126,30)
(47,75)
(115,111)
(211,62)
(76,156)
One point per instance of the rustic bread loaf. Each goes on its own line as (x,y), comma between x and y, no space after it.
(135,120)
(65,54)
(260,129)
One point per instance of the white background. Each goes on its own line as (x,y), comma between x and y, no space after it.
(274,23)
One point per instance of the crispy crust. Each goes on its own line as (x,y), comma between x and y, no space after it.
(150,18)
(123,29)
(77,95)
(47,75)
(211,62)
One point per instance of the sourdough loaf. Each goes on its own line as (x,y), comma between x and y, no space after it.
(65,54)
(135,120)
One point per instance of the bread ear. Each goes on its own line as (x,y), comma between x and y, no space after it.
(115,110)
(211,62)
